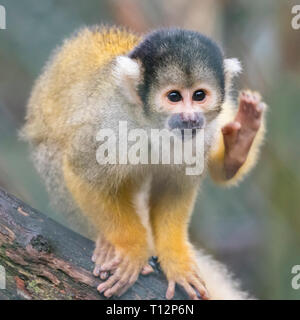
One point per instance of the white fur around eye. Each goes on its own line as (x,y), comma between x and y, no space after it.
(232,66)
(126,67)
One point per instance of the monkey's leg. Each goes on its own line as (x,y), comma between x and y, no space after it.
(115,217)
(240,141)
(170,214)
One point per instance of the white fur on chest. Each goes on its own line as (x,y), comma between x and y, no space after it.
(141,203)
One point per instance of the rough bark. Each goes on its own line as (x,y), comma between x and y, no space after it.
(45,260)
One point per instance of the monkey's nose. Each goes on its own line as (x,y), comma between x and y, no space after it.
(181,121)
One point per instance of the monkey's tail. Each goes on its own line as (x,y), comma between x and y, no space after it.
(219,281)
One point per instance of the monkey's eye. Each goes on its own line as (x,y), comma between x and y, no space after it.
(174,96)
(199,95)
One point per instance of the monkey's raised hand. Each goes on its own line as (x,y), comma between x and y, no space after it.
(239,134)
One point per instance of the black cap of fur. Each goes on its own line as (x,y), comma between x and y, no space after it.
(184,48)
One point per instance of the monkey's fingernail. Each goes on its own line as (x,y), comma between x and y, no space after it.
(169,296)
(96,271)
(101,288)
(107,294)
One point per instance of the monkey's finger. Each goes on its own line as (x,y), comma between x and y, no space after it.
(124,289)
(250,111)
(147,269)
(125,282)
(129,276)
(108,283)
(101,250)
(116,287)
(189,290)
(97,250)
(197,276)
(98,266)
(231,128)
(259,108)
(171,290)
(131,281)
(96,270)
(230,133)
(111,264)
(106,257)
(198,285)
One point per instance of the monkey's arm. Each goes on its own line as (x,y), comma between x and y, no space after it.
(171,207)
(125,249)
(239,141)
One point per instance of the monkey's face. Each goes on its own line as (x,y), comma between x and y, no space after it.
(183,100)
(186,107)
(181,80)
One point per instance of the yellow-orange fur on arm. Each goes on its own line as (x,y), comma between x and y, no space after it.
(169,219)
(113,214)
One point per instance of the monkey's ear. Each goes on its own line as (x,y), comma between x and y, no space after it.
(232,67)
(127,73)
(127,67)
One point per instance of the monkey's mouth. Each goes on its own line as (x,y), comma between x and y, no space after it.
(187,125)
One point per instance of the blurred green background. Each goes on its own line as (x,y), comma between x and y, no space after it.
(254,228)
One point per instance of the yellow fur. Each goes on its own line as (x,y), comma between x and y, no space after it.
(170,216)
(113,214)
(80,57)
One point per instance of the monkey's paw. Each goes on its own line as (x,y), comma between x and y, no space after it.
(124,272)
(190,280)
(239,134)
(106,259)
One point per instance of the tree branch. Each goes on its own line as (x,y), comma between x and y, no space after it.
(45,260)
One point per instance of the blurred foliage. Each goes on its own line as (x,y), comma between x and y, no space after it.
(255,228)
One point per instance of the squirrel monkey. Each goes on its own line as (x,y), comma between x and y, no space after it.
(169,79)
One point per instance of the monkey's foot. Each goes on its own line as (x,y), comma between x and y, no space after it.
(124,272)
(239,134)
(188,278)
(105,255)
